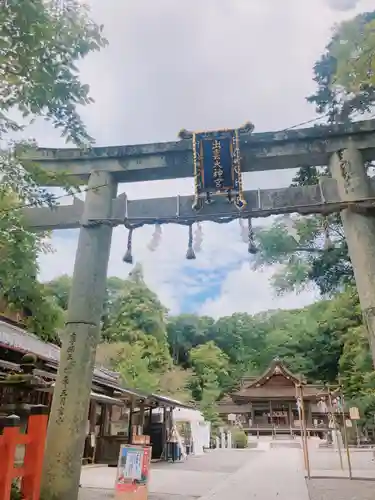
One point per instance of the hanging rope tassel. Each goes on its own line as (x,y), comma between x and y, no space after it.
(190,254)
(198,238)
(252,247)
(156,237)
(244,236)
(128,257)
(328,243)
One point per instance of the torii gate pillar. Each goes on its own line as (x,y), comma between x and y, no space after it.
(71,397)
(347,167)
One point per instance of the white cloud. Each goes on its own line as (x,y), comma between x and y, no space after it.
(196,65)
(342,5)
(247,291)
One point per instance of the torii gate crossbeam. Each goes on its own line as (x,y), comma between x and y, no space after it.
(344,148)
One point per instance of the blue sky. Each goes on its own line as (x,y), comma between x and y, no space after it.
(164,70)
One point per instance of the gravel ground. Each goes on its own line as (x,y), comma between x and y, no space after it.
(341,489)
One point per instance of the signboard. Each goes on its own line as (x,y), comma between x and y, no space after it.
(217,165)
(348,423)
(354,413)
(133,472)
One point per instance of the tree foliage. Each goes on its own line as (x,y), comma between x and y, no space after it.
(59,289)
(345,89)
(211,372)
(341,69)
(305,254)
(20,289)
(186,332)
(135,333)
(136,312)
(40,43)
(353,48)
(324,342)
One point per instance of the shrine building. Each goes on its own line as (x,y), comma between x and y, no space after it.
(269,405)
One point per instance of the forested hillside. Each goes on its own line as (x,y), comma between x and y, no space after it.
(199,359)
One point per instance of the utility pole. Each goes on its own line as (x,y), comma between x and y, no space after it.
(348,169)
(71,397)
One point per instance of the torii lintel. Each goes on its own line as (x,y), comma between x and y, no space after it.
(321,198)
(265,151)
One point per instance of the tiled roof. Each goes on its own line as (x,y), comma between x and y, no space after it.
(20,340)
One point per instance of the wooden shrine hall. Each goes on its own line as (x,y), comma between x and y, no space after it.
(267,405)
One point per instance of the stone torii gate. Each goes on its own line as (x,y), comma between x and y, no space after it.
(344,148)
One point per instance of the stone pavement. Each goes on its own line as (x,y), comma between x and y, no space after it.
(341,489)
(275,474)
(179,481)
(218,475)
(263,473)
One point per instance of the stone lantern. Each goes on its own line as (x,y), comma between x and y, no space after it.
(18,388)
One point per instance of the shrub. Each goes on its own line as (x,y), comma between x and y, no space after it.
(239,438)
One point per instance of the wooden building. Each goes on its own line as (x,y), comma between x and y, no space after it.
(268,404)
(117,414)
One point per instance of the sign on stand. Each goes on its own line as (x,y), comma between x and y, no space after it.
(354,413)
(133,472)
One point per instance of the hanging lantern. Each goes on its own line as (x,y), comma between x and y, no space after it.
(128,257)
(190,254)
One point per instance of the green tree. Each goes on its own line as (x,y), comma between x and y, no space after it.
(300,337)
(357,374)
(185,332)
(20,289)
(242,338)
(334,74)
(114,288)
(41,42)
(136,312)
(135,368)
(39,46)
(209,357)
(59,290)
(344,90)
(311,250)
(175,383)
(353,48)
(210,366)
(137,318)
(355,361)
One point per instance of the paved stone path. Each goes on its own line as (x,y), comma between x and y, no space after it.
(179,481)
(341,489)
(263,474)
(219,475)
(276,474)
